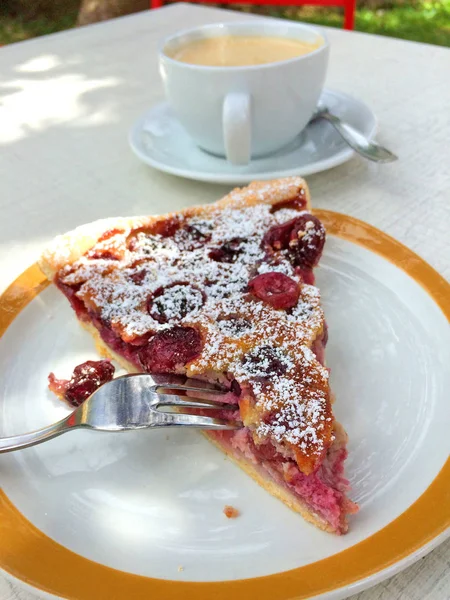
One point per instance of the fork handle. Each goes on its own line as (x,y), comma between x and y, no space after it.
(17,442)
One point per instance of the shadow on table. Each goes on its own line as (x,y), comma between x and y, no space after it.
(64,118)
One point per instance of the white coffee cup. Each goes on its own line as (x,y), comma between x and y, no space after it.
(247,111)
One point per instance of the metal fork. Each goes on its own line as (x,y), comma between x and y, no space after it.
(133,402)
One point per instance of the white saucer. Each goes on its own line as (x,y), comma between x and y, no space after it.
(159,140)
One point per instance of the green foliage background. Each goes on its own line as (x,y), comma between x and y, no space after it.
(417,20)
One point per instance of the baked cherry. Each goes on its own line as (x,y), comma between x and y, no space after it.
(148,239)
(170,349)
(307,240)
(265,362)
(86,378)
(228,252)
(277,289)
(303,236)
(277,237)
(174,301)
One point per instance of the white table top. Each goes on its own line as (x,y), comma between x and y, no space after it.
(68,100)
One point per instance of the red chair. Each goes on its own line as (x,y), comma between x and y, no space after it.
(348,5)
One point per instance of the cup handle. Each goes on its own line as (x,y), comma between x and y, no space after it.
(237,130)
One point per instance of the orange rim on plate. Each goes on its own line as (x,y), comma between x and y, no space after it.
(31,556)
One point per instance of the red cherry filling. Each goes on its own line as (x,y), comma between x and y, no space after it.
(128,350)
(70,291)
(235,388)
(277,289)
(109,234)
(174,301)
(303,236)
(103,255)
(306,275)
(165,227)
(171,348)
(86,378)
(228,252)
(297,203)
(138,277)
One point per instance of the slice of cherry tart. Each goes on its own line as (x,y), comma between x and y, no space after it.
(225,293)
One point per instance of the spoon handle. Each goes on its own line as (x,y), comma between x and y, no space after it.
(357,140)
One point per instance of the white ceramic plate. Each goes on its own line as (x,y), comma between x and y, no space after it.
(159,140)
(150,503)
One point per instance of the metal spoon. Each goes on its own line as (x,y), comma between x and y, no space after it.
(354,138)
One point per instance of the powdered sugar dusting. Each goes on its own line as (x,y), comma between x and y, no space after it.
(175,302)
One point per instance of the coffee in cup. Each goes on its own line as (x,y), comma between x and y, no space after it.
(242,50)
